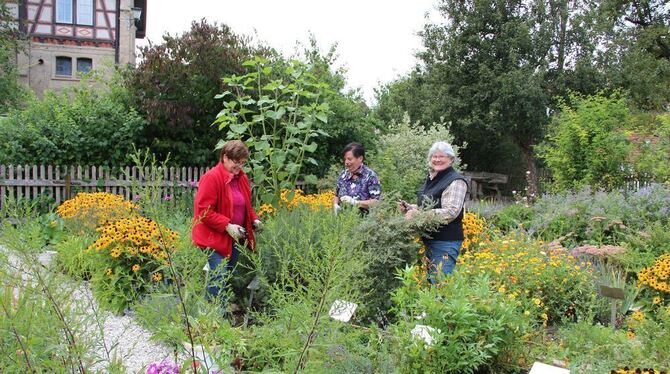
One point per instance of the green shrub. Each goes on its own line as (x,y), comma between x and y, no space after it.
(401,159)
(474,327)
(512,217)
(595,217)
(594,349)
(306,259)
(44,329)
(88,125)
(654,334)
(651,142)
(72,258)
(391,243)
(585,145)
(646,245)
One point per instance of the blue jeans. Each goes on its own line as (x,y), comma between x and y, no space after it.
(442,254)
(218,277)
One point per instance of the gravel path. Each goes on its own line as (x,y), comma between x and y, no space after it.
(121,336)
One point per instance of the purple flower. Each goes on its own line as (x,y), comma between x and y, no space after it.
(167,197)
(193,183)
(136,198)
(164,367)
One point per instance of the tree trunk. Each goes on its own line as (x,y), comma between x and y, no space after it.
(562,35)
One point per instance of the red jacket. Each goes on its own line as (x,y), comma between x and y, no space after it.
(213,209)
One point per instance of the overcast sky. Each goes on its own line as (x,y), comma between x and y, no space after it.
(376,39)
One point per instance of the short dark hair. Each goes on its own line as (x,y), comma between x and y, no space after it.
(235,150)
(356,149)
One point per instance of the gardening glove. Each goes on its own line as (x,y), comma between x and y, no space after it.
(336,208)
(237,232)
(258,225)
(348,200)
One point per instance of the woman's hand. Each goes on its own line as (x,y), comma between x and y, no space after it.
(348,200)
(258,225)
(237,232)
(411,211)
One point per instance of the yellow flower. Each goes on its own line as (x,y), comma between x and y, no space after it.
(638,315)
(109,272)
(96,208)
(157,276)
(266,209)
(136,267)
(630,334)
(657,300)
(316,202)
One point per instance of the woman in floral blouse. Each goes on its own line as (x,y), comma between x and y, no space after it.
(357,185)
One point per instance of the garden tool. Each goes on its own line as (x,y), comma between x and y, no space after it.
(253,286)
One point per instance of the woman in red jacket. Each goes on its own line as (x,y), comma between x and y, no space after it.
(224,220)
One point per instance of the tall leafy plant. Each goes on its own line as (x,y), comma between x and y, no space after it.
(277,109)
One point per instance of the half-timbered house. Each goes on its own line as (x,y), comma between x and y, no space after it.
(69,37)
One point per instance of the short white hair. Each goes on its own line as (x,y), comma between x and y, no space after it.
(443,147)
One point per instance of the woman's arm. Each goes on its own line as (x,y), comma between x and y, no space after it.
(205,201)
(452,200)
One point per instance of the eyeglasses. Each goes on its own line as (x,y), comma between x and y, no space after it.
(439,157)
(238,163)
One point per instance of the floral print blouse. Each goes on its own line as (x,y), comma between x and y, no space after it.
(361,185)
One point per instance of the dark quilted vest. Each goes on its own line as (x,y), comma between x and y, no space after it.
(429,196)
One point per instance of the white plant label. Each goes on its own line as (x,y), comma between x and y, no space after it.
(342,310)
(540,368)
(424,333)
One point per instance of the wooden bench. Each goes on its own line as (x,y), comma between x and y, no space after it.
(483,184)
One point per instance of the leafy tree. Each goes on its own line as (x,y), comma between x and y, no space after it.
(648,21)
(87,125)
(586,144)
(415,95)
(11,42)
(175,84)
(494,68)
(638,34)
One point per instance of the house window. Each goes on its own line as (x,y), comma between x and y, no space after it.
(84,65)
(85,12)
(64,66)
(64,11)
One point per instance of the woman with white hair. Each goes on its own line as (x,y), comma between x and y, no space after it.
(443,192)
